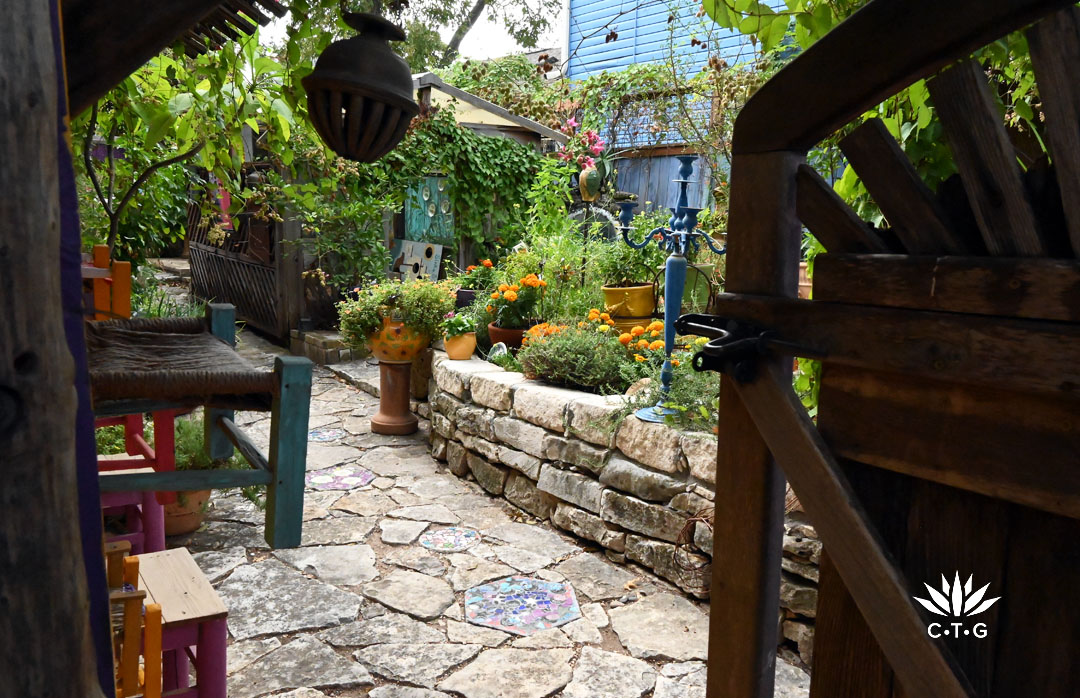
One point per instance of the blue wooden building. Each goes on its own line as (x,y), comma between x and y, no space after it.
(648,31)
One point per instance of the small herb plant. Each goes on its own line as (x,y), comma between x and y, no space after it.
(585,356)
(421,305)
(517,305)
(457,324)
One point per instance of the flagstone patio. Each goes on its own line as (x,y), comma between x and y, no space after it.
(363,608)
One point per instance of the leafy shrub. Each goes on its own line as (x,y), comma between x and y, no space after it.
(585,357)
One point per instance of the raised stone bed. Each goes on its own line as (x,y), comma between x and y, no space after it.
(628,486)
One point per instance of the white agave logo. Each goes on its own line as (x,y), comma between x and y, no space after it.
(959,601)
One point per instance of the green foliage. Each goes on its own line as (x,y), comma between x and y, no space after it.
(507,362)
(480,276)
(110,440)
(191,455)
(694,396)
(577,357)
(512,82)
(518,304)
(456,324)
(150,299)
(421,305)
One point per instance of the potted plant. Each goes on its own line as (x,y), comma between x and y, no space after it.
(629,293)
(459,335)
(515,307)
(187,512)
(394,319)
(476,278)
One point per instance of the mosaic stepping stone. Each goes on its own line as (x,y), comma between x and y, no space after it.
(342,477)
(521,605)
(325,434)
(450,540)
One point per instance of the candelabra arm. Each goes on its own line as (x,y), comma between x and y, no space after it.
(712,245)
(639,245)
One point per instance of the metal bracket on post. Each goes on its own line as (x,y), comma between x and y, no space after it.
(735,348)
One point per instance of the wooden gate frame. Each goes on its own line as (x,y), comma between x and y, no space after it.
(897,42)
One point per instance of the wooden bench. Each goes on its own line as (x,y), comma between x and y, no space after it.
(193,623)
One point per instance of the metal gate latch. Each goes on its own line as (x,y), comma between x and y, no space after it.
(735,347)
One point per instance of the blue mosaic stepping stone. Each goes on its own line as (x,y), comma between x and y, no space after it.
(450,540)
(521,605)
(341,477)
(324,434)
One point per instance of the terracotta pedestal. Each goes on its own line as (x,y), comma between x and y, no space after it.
(394,416)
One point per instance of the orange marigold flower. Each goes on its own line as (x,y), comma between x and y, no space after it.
(470,267)
(491,309)
(503,287)
(658,344)
(643,344)
(655,325)
(581,324)
(515,288)
(487,263)
(510,296)
(674,362)
(605,317)
(543,283)
(639,358)
(625,338)
(611,322)
(637,331)
(495,295)
(654,333)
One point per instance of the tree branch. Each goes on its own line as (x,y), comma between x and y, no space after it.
(142,180)
(455,41)
(88,144)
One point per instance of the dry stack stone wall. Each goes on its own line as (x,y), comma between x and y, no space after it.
(631,487)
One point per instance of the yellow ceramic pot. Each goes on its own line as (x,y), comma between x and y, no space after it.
(460,348)
(629,301)
(396,343)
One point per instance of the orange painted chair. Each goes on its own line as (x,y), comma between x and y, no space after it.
(137,627)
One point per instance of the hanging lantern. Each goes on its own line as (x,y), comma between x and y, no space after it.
(360,95)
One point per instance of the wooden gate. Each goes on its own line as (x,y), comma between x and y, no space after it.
(254,266)
(948,437)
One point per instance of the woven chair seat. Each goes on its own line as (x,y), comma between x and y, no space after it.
(168,359)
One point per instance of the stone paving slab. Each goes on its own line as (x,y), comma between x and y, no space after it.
(303,663)
(342,565)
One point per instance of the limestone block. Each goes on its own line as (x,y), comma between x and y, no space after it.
(442,426)
(803,635)
(689,503)
(455,458)
(521,435)
(543,405)
(485,448)
(490,476)
(521,462)
(495,390)
(655,445)
(628,476)
(521,491)
(454,376)
(798,596)
(594,418)
(438,446)
(576,452)
(476,421)
(660,557)
(808,549)
(446,404)
(700,452)
(631,513)
(589,526)
(571,487)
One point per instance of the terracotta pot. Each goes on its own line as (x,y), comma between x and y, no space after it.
(629,301)
(460,348)
(396,342)
(465,297)
(186,513)
(511,337)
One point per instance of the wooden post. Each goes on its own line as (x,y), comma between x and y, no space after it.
(222,319)
(763,255)
(289,263)
(45,647)
(288,451)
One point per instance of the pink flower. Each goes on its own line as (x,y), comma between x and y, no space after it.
(589,162)
(597,149)
(572,122)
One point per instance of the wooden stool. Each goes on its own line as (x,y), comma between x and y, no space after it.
(193,622)
(143,513)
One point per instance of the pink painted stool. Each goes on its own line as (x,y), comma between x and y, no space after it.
(193,623)
(143,513)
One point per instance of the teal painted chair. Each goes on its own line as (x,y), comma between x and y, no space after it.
(145,365)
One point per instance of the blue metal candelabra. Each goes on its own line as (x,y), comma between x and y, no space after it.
(677,239)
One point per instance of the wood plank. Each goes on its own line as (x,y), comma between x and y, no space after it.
(1055,54)
(907,203)
(896,41)
(763,257)
(842,639)
(45,639)
(1038,628)
(924,666)
(182,480)
(172,579)
(1038,289)
(1011,446)
(244,444)
(830,219)
(1020,355)
(288,451)
(984,155)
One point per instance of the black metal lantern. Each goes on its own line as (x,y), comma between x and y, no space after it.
(360,95)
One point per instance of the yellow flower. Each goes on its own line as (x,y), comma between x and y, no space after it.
(701,340)
(510,296)
(603,328)
(625,338)
(654,333)
(639,358)
(503,287)
(494,295)
(637,331)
